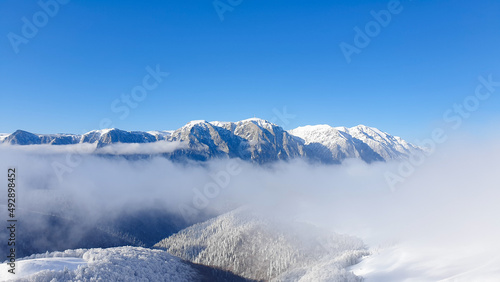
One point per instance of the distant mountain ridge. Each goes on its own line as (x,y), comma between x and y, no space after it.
(367,143)
(253,139)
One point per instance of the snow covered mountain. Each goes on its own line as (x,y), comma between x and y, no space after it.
(109,136)
(99,137)
(338,143)
(253,139)
(251,245)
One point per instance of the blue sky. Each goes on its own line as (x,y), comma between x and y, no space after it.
(263,56)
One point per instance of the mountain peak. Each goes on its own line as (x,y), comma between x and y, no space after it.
(101,131)
(366,129)
(195,122)
(259,122)
(108,130)
(255,119)
(314,127)
(22,137)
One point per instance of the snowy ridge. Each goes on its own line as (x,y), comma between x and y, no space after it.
(195,122)
(252,139)
(3,136)
(340,143)
(220,123)
(113,264)
(250,245)
(161,134)
(386,145)
(259,122)
(356,142)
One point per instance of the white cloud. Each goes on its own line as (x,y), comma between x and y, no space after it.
(141,148)
(450,203)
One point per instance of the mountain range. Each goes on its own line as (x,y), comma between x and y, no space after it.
(253,139)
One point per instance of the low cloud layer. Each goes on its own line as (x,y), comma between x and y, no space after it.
(143,148)
(450,201)
(153,148)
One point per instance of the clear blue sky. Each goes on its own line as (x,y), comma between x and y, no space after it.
(264,55)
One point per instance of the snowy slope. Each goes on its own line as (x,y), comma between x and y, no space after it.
(340,144)
(388,146)
(3,136)
(367,143)
(263,140)
(113,264)
(253,139)
(407,262)
(253,246)
(110,136)
(161,134)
